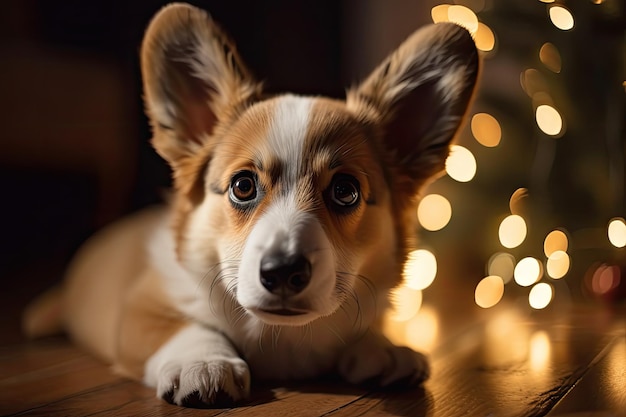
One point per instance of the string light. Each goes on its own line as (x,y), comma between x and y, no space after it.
(484,38)
(549,120)
(550,57)
(605,278)
(557,264)
(540,296)
(533,82)
(527,271)
(405,303)
(617,232)
(463,16)
(489,291)
(434,212)
(512,231)
(486,129)
(502,264)
(539,352)
(555,241)
(461,164)
(561,17)
(422,330)
(439,13)
(517,202)
(420,269)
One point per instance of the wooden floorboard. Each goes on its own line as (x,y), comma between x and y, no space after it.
(602,390)
(503,362)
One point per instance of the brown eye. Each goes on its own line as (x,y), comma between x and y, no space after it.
(344,191)
(243,187)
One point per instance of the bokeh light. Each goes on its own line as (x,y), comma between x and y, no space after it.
(533,82)
(549,120)
(489,291)
(439,13)
(512,231)
(555,241)
(486,129)
(557,264)
(422,330)
(502,264)
(561,17)
(518,201)
(420,269)
(603,278)
(463,16)
(461,164)
(434,212)
(540,296)
(484,38)
(550,57)
(539,351)
(617,232)
(405,303)
(527,271)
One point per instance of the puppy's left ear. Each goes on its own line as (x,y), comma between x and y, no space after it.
(418,97)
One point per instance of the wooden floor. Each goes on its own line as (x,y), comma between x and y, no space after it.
(507,361)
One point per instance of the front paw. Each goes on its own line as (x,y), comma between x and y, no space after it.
(381,362)
(219,381)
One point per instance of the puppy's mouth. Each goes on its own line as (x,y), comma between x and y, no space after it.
(284,311)
(283,315)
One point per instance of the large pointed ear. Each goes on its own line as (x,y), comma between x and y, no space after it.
(418,96)
(193,80)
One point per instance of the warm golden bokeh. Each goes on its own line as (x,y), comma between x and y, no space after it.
(549,120)
(502,264)
(540,296)
(527,271)
(557,264)
(463,16)
(420,270)
(434,212)
(555,241)
(486,129)
(489,291)
(484,38)
(550,57)
(561,17)
(461,164)
(512,231)
(617,232)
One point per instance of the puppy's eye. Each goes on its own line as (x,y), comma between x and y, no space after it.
(243,187)
(344,191)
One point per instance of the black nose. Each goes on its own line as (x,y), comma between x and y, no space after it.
(285,275)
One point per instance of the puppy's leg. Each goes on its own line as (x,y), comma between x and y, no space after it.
(374,358)
(198,366)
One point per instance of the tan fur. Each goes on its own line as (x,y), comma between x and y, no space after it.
(99,280)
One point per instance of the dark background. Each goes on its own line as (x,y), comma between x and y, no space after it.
(74,142)
(74,147)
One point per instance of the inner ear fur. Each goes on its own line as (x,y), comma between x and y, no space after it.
(418,97)
(193,80)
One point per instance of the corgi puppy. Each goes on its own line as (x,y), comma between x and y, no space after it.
(290,222)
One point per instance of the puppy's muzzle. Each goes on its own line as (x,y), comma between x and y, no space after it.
(285,275)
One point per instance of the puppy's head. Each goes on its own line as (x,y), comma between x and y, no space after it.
(288,204)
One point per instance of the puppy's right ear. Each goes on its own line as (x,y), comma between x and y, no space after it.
(193,79)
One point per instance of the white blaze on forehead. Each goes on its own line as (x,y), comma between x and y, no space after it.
(287,132)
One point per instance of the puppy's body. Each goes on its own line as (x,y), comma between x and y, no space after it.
(291,220)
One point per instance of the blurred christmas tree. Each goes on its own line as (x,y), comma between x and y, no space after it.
(544,150)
